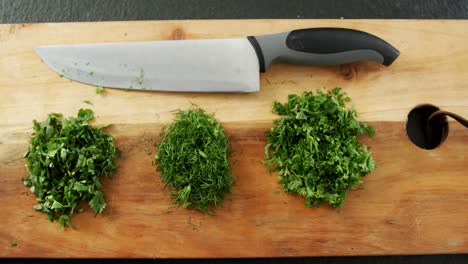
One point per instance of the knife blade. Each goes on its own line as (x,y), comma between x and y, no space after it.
(210,65)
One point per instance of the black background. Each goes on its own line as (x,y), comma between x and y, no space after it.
(27,11)
(20,11)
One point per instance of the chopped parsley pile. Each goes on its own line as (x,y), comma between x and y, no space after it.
(192,159)
(314,147)
(66,160)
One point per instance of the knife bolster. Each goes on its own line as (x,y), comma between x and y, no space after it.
(258,51)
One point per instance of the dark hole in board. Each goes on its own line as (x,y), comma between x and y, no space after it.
(425,133)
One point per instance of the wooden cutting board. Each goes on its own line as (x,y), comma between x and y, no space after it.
(415,202)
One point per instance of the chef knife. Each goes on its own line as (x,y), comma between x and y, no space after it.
(210,65)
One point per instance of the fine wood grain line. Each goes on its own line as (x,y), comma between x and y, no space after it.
(413,203)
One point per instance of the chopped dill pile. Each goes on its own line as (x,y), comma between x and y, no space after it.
(193,160)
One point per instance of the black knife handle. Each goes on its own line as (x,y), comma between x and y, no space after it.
(322,46)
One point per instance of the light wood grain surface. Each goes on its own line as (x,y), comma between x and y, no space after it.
(415,202)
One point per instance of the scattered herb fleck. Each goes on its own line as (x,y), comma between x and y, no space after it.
(99,89)
(314,147)
(141,78)
(60,75)
(168,211)
(87,64)
(88,102)
(65,161)
(14,244)
(193,225)
(193,160)
(91,73)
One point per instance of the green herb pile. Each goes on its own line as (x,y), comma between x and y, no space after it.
(193,160)
(65,161)
(314,147)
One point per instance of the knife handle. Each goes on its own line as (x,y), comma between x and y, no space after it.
(322,46)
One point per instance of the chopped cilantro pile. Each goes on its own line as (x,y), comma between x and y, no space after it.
(314,147)
(66,160)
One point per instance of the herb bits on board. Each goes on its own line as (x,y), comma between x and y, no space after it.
(193,160)
(314,147)
(66,160)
